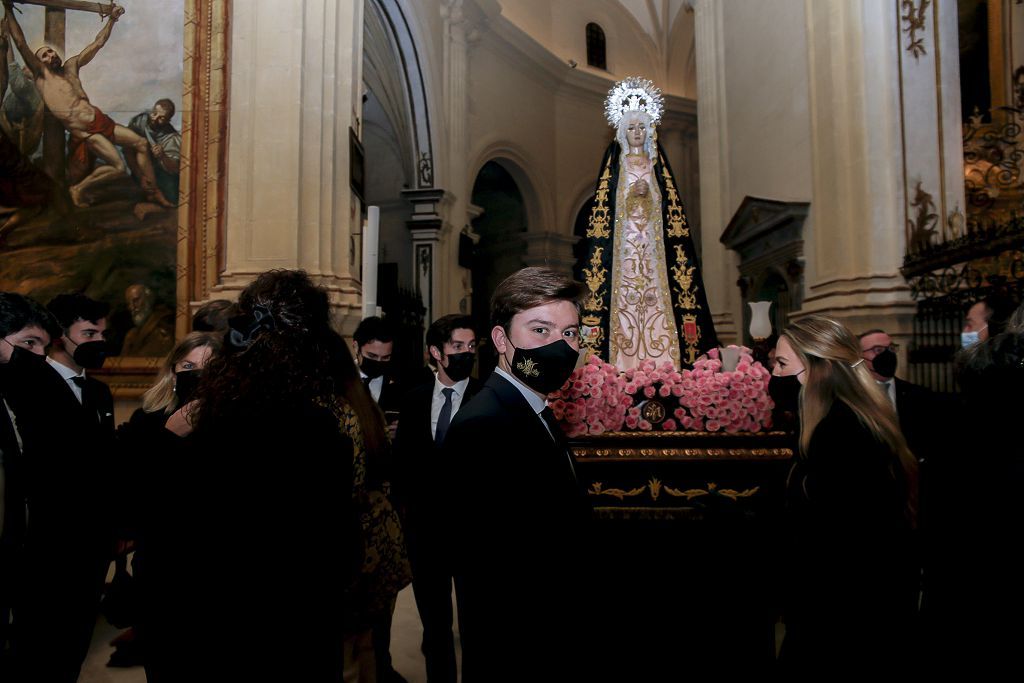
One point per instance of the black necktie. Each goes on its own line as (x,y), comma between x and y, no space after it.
(87,398)
(548,416)
(558,435)
(445,418)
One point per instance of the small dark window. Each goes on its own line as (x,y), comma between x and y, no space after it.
(595,47)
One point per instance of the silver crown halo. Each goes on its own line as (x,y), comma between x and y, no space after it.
(633,94)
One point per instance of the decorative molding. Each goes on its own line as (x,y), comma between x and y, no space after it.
(915,19)
(655,487)
(922,228)
(204,126)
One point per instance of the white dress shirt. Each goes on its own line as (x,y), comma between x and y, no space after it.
(69,376)
(437,401)
(376,386)
(889,387)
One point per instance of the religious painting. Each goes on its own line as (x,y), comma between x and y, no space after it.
(90,159)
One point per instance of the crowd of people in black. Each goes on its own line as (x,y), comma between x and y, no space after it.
(278,489)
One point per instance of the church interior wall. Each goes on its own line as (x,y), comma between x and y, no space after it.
(682,57)
(808,103)
(766,76)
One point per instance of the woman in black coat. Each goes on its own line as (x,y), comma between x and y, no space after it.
(149,446)
(852,576)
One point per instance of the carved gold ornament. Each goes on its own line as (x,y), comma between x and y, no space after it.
(915,20)
(655,487)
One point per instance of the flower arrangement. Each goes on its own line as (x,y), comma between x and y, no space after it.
(593,401)
(599,398)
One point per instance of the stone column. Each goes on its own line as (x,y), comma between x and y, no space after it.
(872,133)
(550,249)
(458,36)
(719,264)
(296,75)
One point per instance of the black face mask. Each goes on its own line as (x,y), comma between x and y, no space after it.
(91,355)
(885,364)
(185,384)
(21,360)
(785,392)
(460,365)
(374,368)
(545,368)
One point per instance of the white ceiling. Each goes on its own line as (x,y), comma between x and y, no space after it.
(656,17)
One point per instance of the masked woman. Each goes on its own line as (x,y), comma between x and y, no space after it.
(148,444)
(852,576)
(645,297)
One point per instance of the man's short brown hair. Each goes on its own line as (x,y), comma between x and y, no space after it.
(529,288)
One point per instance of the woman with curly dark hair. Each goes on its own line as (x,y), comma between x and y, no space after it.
(281,428)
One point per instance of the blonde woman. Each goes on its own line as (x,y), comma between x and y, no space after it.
(852,495)
(150,447)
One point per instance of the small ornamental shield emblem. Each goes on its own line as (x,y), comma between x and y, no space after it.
(690,328)
(653,412)
(528,368)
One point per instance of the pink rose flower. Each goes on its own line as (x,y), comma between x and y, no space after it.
(669,425)
(664,391)
(714,425)
(649,391)
(645,425)
(686,421)
(632,421)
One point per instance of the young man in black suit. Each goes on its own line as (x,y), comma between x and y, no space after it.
(426,414)
(66,423)
(25,331)
(517,515)
(374,346)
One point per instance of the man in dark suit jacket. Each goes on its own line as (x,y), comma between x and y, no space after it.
(517,513)
(426,414)
(374,344)
(66,423)
(916,406)
(25,331)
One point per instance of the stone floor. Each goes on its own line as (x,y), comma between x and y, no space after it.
(406,632)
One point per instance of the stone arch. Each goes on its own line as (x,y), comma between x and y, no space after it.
(539,212)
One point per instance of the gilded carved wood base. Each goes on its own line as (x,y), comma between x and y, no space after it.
(689,475)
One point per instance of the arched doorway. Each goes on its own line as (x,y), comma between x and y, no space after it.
(395,135)
(500,250)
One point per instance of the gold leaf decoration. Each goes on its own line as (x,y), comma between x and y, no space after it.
(597,225)
(676,218)
(597,490)
(595,277)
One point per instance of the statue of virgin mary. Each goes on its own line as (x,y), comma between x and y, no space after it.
(645,297)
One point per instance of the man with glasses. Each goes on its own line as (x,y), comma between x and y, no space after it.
(915,405)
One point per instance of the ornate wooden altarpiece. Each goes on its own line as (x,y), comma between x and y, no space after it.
(688,544)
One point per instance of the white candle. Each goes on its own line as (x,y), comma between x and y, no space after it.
(371,237)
